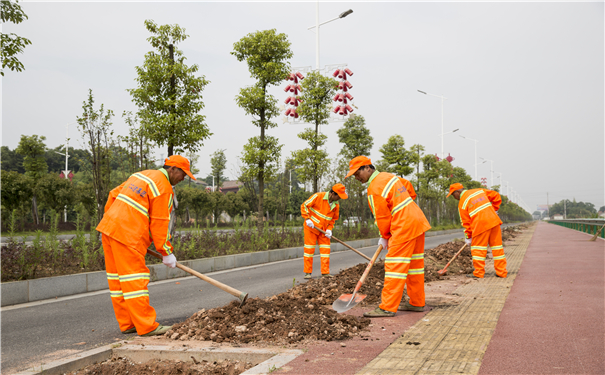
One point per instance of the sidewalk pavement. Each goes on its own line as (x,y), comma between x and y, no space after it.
(550,322)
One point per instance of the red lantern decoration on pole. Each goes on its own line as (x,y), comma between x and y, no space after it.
(292,101)
(342,107)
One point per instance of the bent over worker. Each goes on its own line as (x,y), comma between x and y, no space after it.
(478,214)
(137,213)
(321,211)
(402,226)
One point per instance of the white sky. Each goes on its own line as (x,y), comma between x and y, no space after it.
(525,79)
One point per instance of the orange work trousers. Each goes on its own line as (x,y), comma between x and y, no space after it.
(404,265)
(313,237)
(128,276)
(493,238)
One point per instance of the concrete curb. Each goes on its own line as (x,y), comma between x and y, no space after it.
(18,292)
(267,360)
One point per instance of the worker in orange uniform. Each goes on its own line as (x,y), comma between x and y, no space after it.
(478,214)
(320,211)
(402,226)
(137,213)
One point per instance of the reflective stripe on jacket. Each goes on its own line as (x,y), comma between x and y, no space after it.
(477,208)
(398,217)
(138,211)
(320,211)
(409,187)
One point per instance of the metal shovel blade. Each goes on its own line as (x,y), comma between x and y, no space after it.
(344,302)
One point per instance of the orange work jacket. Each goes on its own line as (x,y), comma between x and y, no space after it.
(138,211)
(477,208)
(409,187)
(398,217)
(320,211)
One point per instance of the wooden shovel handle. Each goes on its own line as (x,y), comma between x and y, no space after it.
(357,251)
(218,284)
(368,268)
(451,260)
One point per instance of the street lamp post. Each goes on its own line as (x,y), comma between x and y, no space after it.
(66,171)
(442,99)
(474,140)
(316,27)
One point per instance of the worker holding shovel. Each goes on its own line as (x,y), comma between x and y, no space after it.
(320,211)
(402,226)
(478,213)
(137,214)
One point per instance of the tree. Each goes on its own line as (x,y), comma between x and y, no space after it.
(169,95)
(16,189)
(312,163)
(395,158)
(316,98)
(11,160)
(32,148)
(218,162)
(95,126)
(266,54)
(356,138)
(12,44)
(56,193)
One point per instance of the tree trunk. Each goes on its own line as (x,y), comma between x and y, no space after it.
(315,176)
(35,210)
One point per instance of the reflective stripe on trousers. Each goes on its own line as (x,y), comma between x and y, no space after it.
(404,265)
(128,277)
(311,239)
(493,238)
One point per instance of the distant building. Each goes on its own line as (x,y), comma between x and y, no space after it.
(231,186)
(557,217)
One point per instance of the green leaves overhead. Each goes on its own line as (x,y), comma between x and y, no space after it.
(312,163)
(169,94)
(356,138)
(12,44)
(317,93)
(261,157)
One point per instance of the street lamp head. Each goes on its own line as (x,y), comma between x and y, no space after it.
(421,92)
(346,13)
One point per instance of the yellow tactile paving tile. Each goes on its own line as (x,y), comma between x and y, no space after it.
(453,339)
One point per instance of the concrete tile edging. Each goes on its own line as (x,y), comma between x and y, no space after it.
(267,360)
(18,292)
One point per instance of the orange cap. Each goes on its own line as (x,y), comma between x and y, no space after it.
(454,187)
(340,190)
(356,163)
(179,162)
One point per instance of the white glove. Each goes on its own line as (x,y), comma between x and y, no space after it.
(328,233)
(169,261)
(384,242)
(310,223)
(468,241)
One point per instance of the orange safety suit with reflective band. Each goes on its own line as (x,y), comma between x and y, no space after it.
(137,213)
(323,214)
(477,208)
(402,222)
(409,187)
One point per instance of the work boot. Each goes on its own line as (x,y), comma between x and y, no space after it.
(407,307)
(326,275)
(308,276)
(378,313)
(473,276)
(130,330)
(158,331)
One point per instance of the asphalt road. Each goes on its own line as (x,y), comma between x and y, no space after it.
(45,331)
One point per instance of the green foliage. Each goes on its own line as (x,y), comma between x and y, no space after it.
(95,126)
(316,97)
(266,54)
(218,162)
(169,95)
(56,193)
(395,158)
(312,163)
(573,209)
(32,148)
(12,44)
(356,138)
(16,189)
(11,160)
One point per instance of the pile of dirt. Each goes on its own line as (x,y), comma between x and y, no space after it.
(304,312)
(124,366)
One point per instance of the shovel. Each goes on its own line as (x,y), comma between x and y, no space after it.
(240,295)
(357,251)
(348,301)
(444,270)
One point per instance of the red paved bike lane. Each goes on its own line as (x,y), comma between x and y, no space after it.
(553,320)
